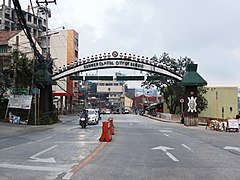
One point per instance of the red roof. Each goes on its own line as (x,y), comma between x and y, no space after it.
(7,35)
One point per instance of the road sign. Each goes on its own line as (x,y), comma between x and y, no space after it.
(182,100)
(35,91)
(17,91)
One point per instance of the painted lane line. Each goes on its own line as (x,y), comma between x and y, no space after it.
(171,156)
(48,160)
(232,148)
(165,150)
(188,148)
(165,131)
(33,168)
(5,149)
(79,166)
(167,135)
(76,142)
(68,175)
(24,143)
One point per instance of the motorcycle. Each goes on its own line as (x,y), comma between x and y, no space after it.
(83,122)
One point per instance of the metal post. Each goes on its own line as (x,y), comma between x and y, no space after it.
(35,115)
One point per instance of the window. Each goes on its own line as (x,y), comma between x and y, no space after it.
(3,48)
(29,18)
(76,53)
(35,20)
(75,84)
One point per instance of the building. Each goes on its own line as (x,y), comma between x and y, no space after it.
(14,40)
(146,102)
(118,96)
(37,23)
(64,51)
(222,102)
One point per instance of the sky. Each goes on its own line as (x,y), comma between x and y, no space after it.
(207,31)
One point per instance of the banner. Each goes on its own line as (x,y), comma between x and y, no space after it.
(20,101)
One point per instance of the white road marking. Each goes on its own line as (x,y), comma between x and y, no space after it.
(76,142)
(185,146)
(167,135)
(48,160)
(68,175)
(25,143)
(232,148)
(165,131)
(33,168)
(165,150)
(171,156)
(5,149)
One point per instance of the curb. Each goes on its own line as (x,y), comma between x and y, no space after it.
(170,121)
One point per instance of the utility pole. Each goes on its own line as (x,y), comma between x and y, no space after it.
(46,2)
(46,99)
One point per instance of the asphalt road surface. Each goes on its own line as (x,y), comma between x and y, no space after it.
(141,149)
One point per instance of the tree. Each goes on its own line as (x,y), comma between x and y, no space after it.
(5,83)
(23,70)
(171,90)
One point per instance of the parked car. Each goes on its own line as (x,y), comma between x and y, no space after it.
(126,111)
(92,116)
(108,111)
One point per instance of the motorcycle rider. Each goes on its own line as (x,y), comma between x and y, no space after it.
(85,115)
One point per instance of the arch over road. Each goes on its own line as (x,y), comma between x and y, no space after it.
(114,60)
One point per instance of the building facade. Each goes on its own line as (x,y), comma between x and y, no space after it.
(36,23)
(222,102)
(64,51)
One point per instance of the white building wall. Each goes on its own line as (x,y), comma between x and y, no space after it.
(24,45)
(58,49)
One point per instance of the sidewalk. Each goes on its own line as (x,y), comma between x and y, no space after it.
(9,129)
(169,120)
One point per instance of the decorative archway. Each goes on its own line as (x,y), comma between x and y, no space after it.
(114,60)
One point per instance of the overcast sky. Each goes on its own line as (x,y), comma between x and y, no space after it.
(207,31)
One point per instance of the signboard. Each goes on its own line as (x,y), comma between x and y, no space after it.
(115,63)
(19,91)
(36,91)
(20,101)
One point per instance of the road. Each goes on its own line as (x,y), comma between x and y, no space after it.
(141,148)
(44,152)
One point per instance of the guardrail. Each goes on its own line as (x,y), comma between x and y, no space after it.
(107,130)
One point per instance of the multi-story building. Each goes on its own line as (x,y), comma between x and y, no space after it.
(116,93)
(36,22)
(64,51)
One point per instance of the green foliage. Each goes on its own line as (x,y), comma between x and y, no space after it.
(3,107)
(170,89)
(5,83)
(44,119)
(23,68)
